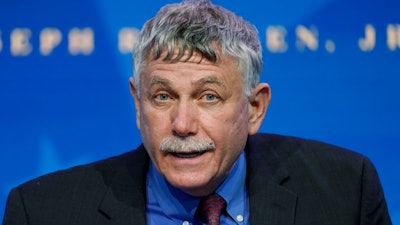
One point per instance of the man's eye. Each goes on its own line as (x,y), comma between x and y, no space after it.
(162,97)
(210,97)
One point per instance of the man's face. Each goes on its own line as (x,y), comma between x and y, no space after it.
(198,111)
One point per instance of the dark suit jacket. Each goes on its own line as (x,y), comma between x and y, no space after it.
(290,181)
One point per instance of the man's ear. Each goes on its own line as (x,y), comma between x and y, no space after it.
(258,104)
(136,99)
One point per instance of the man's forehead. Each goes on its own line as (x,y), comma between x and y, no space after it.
(223,61)
(156,70)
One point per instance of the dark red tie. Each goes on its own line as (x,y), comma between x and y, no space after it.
(210,209)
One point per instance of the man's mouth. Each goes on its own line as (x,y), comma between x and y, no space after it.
(187,155)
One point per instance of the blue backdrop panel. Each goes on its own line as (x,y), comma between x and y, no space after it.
(333,66)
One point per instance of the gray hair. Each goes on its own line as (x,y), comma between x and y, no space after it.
(200,26)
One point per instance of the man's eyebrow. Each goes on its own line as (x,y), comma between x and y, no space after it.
(209,80)
(159,80)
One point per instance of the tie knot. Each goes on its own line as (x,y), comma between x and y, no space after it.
(210,209)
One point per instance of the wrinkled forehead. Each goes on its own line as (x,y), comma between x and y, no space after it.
(190,73)
(192,65)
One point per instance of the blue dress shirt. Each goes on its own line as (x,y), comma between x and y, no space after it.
(168,205)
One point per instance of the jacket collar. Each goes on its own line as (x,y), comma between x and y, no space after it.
(270,202)
(124,200)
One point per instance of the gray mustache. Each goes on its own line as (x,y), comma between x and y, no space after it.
(186,145)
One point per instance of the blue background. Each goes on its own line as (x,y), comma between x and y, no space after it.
(62,109)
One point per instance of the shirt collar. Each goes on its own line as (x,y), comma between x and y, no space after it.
(233,189)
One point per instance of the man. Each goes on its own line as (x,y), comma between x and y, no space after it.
(199,105)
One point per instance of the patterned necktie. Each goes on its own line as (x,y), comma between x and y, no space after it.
(210,209)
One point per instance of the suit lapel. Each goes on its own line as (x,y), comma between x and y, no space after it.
(124,201)
(272,205)
(270,202)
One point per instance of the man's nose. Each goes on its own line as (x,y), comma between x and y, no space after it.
(185,119)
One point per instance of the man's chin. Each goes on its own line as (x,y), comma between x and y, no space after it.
(194,186)
(197,191)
